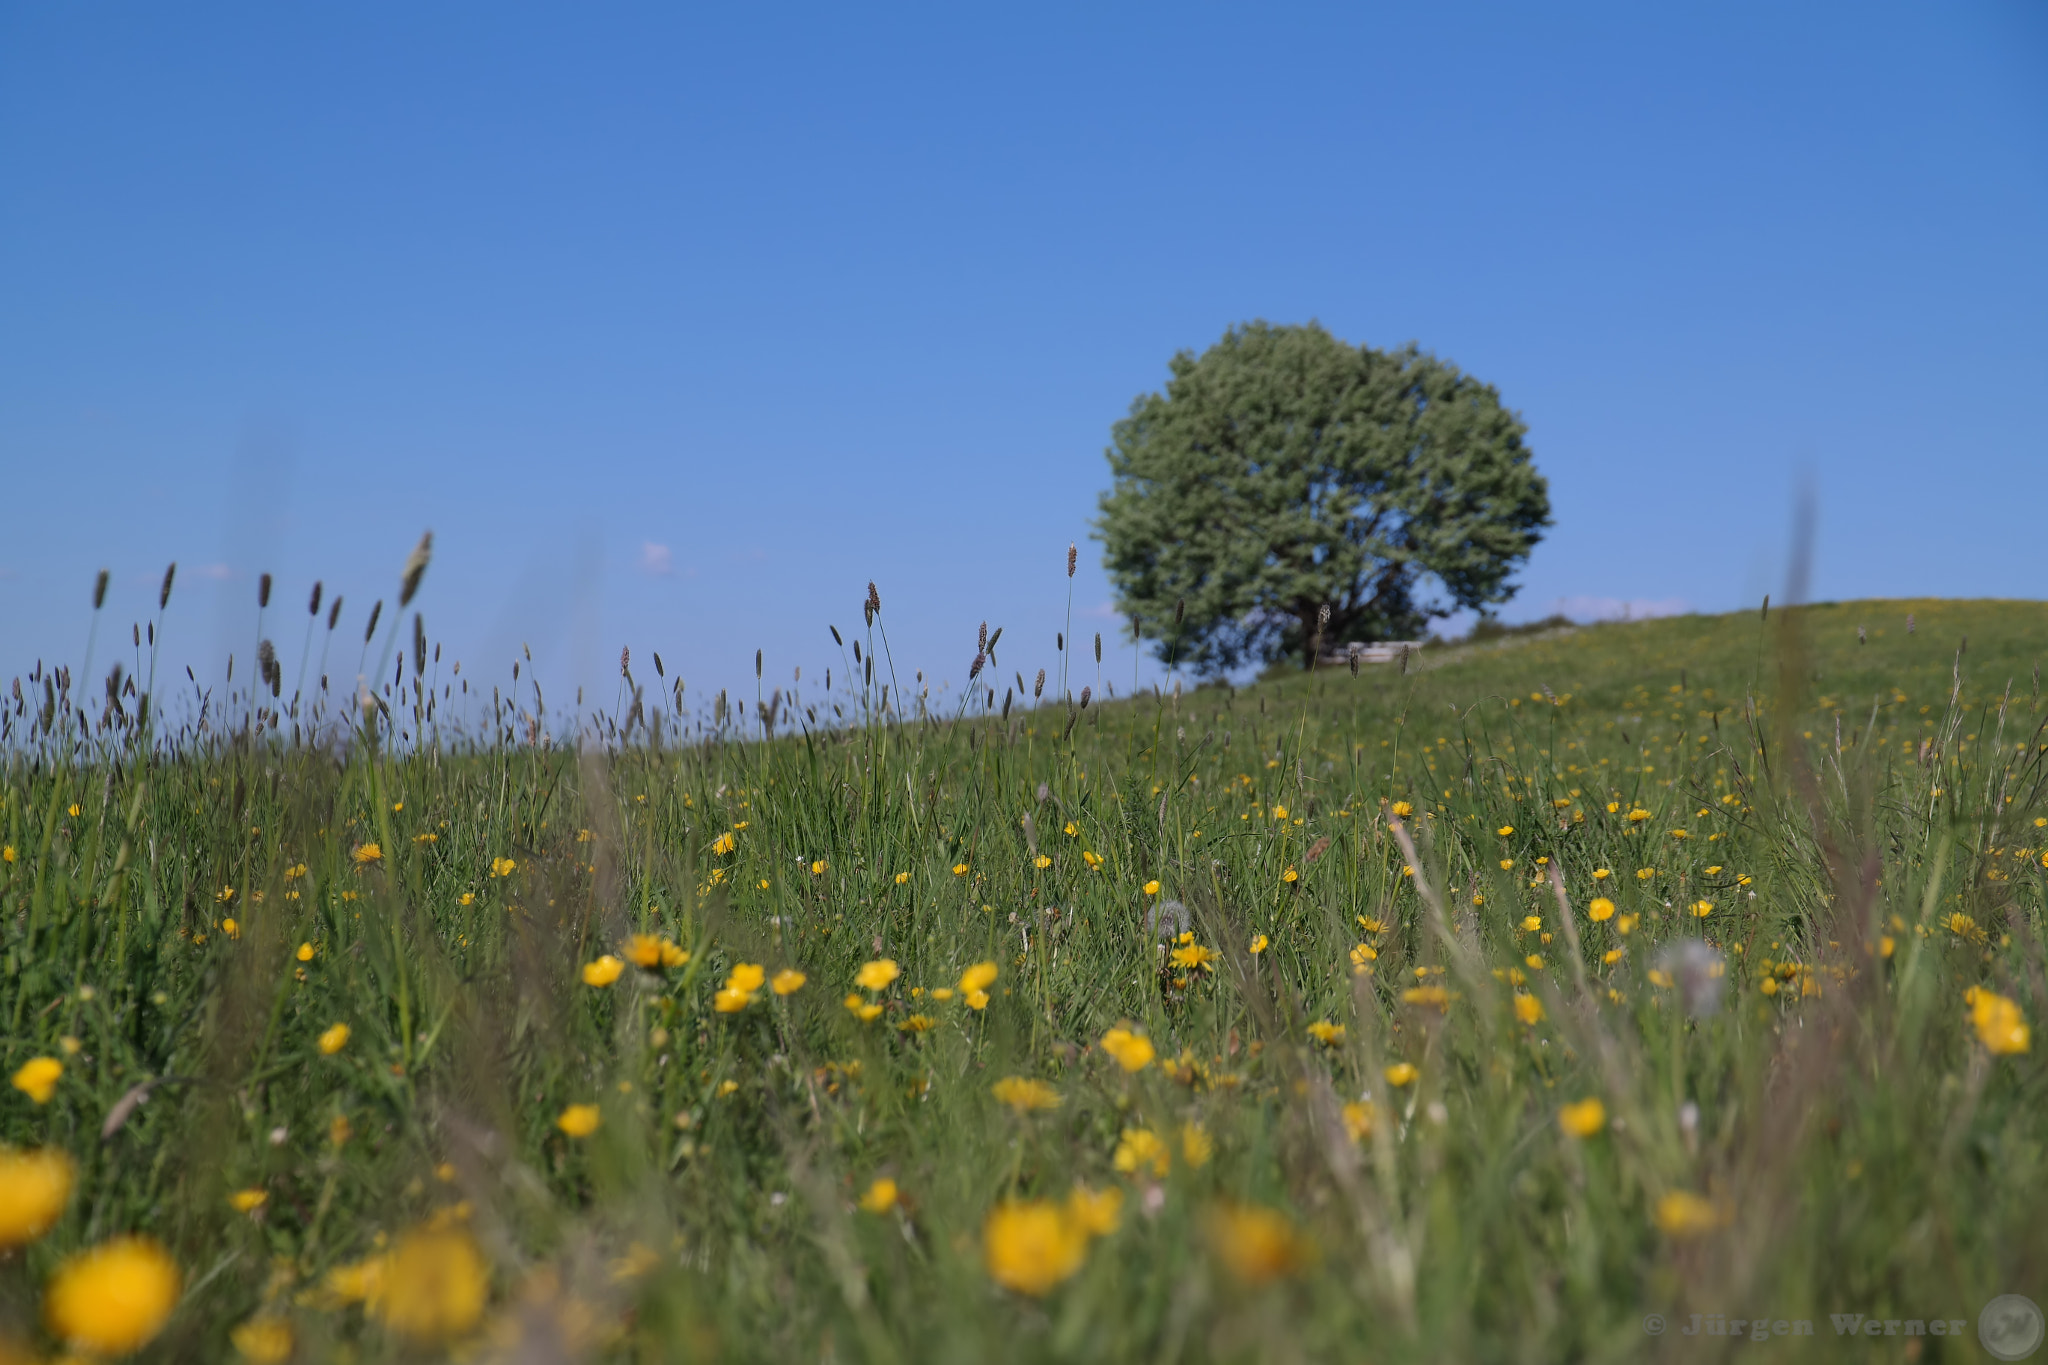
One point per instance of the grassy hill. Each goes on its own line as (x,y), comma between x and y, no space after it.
(1677,967)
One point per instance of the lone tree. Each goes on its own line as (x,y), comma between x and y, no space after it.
(1284,471)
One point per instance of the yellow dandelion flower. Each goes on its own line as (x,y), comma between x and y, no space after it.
(1133,1051)
(1682,1213)
(435,1285)
(333,1039)
(876,975)
(603,971)
(1138,1148)
(1032,1247)
(1024,1094)
(1583,1118)
(1095,1212)
(367,854)
(1403,809)
(37,1078)
(113,1298)
(35,1186)
(1255,1244)
(1427,996)
(263,1340)
(579,1120)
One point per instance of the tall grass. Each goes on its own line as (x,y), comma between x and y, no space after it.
(1818,832)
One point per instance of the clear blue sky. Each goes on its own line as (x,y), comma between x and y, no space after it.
(677,329)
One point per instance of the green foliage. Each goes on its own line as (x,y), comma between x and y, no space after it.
(1284,472)
(1866,820)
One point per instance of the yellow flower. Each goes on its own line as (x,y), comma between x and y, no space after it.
(367,854)
(1528,1008)
(959,869)
(1682,1213)
(37,1078)
(263,1340)
(340,1130)
(1140,1147)
(1583,1119)
(435,1285)
(904,877)
(1279,811)
(231,928)
(1024,1094)
(977,1000)
(74,810)
(917,1023)
(724,843)
(1644,874)
(1428,996)
(643,950)
(1256,1244)
(1401,1073)
(7,854)
(1323,1031)
(726,1000)
(503,867)
(1505,830)
(1194,957)
(1259,944)
(249,1200)
(1402,809)
(305,953)
(1601,874)
(1701,909)
(818,868)
(1031,1247)
(1152,887)
(978,978)
(1094,860)
(1999,1024)
(881,1196)
(942,993)
(746,976)
(579,1120)
(727,1088)
(1072,830)
(1531,923)
(1133,1051)
(877,975)
(113,1298)
(1290,876)
(1041,862)
(1627,924)
(1601,910)
(1095,1213)
(466,898)
(333,1039)
(603,971)
(1196,1144)
(862,1010)
(1358,1120)
(34,1188)
(788,981)
(1363,954)
(1638,815)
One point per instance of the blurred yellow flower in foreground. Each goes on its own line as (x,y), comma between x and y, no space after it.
(862,1009)
(1255,1244)
(37,1078)
(1358,1120)
(1402,1073)
(113,1298)
(1139,1148)
(881,1196)
(1528,1008)
(579,1120)
(1323,1031)
(263,1340)
(1259,944)
(249,1200)
(2000,1025)
(1032,1246)
(367,854)
(34,1188)
(435,1285)
(1095,1212)
(877,975)
(333,1039)
(977,979)
(603,971)
(788,981)
(1024,1094)
(1682,1213)
(1584,1119)
(1133,1051)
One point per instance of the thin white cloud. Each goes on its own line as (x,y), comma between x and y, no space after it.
(657,561)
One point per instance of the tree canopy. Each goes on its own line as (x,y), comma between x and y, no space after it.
(1284,471)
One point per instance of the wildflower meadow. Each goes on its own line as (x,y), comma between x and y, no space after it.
(1481,1005)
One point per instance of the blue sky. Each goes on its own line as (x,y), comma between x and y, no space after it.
(679,326)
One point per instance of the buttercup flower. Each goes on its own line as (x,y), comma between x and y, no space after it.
(435,1285)
(2000,1025)
(788,981)
(1032,1247)
(1133,1051)
(1139,1148)
(1401,1073)
(34,1188)
(333,1039)
(113,1298)
(603,971)
(877,975)
(1583,1118)
(579,1120)
(881,1196)
(1024,1094)
(1255,1244)
(37,1078)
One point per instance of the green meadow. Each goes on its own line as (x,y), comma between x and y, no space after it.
(1477,1008)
